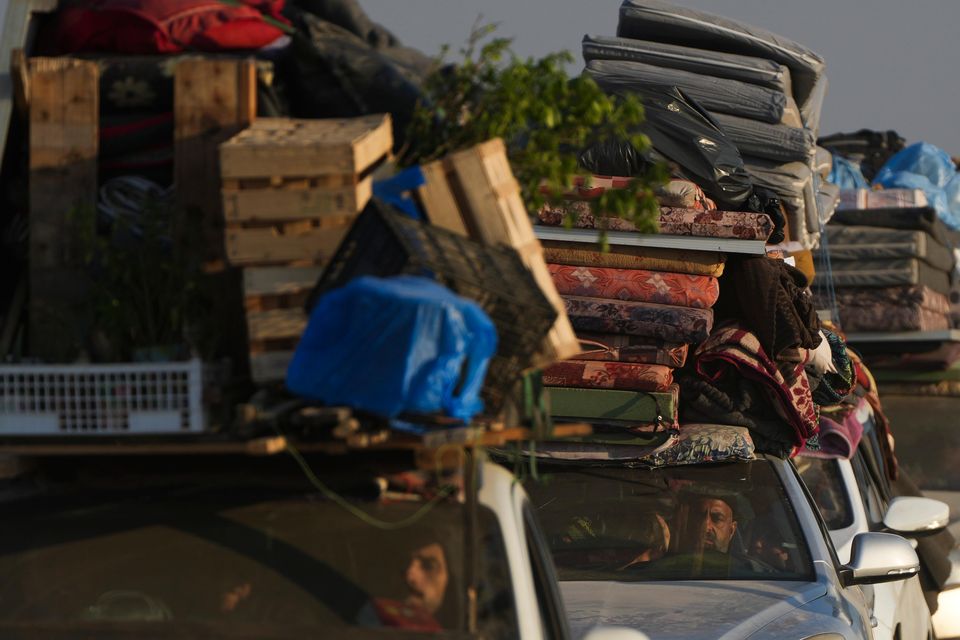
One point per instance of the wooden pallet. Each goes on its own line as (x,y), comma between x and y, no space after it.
(274,299)
(481,186)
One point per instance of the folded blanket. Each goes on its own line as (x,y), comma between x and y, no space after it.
(608,375)
(612,347)
(674,324)
(737,383)
(741,225)
(662,287)
(587,254)
(836,439)
(768,298)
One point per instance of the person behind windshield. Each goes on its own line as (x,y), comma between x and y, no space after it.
(425,577)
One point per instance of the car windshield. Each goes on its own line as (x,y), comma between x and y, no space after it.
(248,552)
(822,477)
(719,521)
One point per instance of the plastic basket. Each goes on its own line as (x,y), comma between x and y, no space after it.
(108,399)
(384,243)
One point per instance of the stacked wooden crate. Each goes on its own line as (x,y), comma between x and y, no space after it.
(291,190)
(473,192)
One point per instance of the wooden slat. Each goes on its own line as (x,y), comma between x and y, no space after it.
(287,147)
(283,245)
(289,204)
(214,99)
(278,323)
(494,212)
(64,112)
(272,281)
(438,201)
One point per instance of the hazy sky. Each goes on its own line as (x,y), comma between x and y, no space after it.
(891,64)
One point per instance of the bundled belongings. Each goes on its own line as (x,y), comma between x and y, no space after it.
(681,132)
(395,345)
(926,167)
(868,150)
(718,95)
(746,69)
(736,383)
(891,277)
(671,24)
(743,80)
(383,242)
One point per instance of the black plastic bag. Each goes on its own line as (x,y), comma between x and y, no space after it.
(683,133)
(764,200)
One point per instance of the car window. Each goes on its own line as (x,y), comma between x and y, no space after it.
(721,521)
(873,501)
(238,556)
(817,517)
(544,578)
(823,480)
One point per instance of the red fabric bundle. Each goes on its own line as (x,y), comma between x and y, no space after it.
(166,26)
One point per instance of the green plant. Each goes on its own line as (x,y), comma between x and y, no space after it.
(146,292)
(545,117)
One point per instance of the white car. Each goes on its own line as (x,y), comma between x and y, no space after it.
(731,549)
(851,503)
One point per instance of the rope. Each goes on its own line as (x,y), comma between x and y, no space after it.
(360,514)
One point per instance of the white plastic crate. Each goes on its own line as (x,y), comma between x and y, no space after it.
(101,399)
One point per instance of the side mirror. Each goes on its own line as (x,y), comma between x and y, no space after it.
(879,557)
(910,515)
(615,633)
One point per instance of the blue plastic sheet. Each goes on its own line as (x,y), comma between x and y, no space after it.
(927,167)
(395,345)
(846,174)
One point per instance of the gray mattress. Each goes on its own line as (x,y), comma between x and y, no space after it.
(889,273)
(770,141)
(758,71)
(668,23)
(718,95)
(877,243)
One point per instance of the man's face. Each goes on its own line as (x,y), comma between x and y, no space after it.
(718,525)
(426,577)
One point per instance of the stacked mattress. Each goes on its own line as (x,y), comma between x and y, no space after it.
(764,92)
(892,264)
(636,310)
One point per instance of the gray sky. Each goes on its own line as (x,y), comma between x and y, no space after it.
(891,64)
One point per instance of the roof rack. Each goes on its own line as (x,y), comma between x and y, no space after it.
(662,241)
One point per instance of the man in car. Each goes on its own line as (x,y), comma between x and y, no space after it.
(718,524)
(707,523)
(425,578)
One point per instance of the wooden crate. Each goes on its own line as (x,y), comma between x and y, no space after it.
(301,148)
(489,208)
(279,198)
(305,241)
(274,299)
